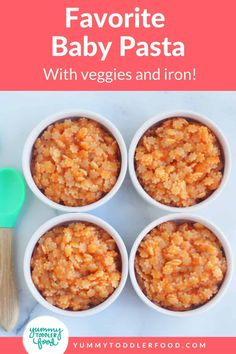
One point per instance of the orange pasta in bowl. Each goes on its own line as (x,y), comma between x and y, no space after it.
(76,266)
(179,162)
(75,162)
(180,266)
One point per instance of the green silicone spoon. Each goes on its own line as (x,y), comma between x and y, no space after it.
(12,197)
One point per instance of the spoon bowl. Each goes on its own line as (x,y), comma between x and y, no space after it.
(12,196)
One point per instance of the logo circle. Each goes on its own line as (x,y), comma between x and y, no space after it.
(45,334)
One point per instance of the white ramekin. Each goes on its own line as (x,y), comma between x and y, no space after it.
(179,218)
(194,116)
(27,154)
(63,219)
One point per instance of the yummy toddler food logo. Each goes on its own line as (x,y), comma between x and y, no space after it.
(45,334)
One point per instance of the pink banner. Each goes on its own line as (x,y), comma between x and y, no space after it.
(110,345)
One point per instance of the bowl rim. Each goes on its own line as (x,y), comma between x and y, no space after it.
(63,219)
(190,115)
(60,116)
(228,253)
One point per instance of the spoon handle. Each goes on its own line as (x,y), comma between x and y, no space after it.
(9,305)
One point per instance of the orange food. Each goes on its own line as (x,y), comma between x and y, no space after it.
(76,266)
(180,266)
(179,162)
(75,162)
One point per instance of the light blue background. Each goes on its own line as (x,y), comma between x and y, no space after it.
(127,212)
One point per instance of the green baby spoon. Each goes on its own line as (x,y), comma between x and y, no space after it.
(12,197)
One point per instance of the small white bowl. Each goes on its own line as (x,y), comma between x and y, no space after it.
(35,133)
(179,218)
(198,118)
(63,219)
